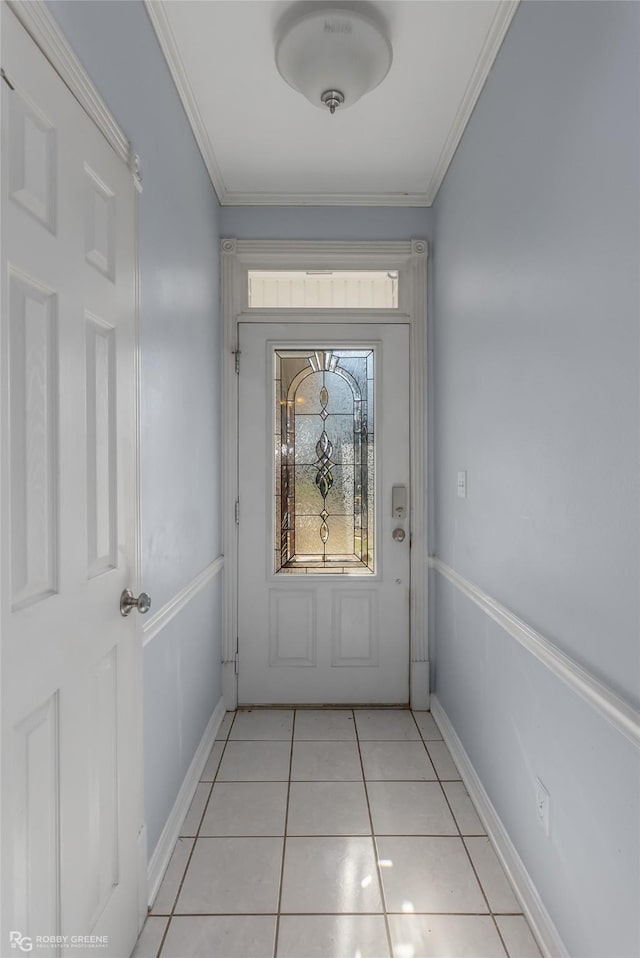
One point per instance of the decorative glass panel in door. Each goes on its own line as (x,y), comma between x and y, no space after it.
(306,487)
(324,460)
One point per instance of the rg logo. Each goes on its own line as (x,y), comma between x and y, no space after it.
(20,941)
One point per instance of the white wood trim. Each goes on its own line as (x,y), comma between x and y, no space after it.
(143,877)
(537,915)
(169,47)
(42,27)
(410,258)
(137,574)
(298,253)
(497,32)
(171,831)
(175,605)
(623,716)
(325,199)
(229,456)
(490,48)
(418,366)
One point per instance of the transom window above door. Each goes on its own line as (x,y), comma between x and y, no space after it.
(324,460)
(323,289)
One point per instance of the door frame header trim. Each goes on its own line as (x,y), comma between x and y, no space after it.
(43,29)
(409,257)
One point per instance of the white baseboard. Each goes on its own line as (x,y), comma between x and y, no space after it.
(537,915)
(171,831)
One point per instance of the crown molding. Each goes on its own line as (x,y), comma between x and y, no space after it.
(169,47)
(493,41)
(496,34)
(45,32)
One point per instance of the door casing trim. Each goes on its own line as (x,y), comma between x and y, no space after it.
(409,257)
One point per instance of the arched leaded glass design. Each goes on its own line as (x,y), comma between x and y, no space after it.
(324,460)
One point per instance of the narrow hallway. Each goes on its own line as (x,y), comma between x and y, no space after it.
(384,854)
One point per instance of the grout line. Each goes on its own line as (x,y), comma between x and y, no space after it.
(502,941)
(333,914)
(284,837)
(374,844)
(195,839)
(374,836)
(462,838)
(164,937)
(349,834)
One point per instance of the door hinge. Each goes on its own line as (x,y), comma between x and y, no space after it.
(6,79)
(236,353)
(237,510)
(237,666)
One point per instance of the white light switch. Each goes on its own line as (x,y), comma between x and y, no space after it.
(462,485)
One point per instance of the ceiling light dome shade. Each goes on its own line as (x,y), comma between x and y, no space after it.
(333,57)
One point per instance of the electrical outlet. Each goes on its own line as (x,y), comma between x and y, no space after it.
(462,485)
(542,806)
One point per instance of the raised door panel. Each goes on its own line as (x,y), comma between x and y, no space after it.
(32,160)
(292,628)
(100,225)
(102,523)
(354,628)
(36,852)
(103,784)
(34,440)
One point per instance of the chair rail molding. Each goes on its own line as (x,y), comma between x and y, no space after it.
(621,714)
(174,606)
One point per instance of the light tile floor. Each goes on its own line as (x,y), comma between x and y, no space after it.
(333,833)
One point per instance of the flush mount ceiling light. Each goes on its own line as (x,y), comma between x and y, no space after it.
(333,57)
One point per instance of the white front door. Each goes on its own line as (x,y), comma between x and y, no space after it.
(323,584)
(70,661)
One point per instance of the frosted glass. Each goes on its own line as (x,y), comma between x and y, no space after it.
(340,499)
(324,460)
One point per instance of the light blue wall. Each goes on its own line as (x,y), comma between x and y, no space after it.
(180,358)
(536,352)
(326,222)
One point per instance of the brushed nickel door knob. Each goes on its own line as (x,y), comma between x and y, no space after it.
(398,535)
(128,602)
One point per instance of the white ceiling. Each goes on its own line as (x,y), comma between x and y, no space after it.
(265,144)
